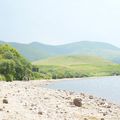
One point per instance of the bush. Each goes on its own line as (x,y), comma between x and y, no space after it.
(2,77)
(9,78)
(38,76)
(13,65)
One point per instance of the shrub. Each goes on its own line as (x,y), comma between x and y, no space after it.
(38,76)
(9,78)
(2,77)
(13,65)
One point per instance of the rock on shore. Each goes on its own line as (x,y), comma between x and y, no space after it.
(30,101)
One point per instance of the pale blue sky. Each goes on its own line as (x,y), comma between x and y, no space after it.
(60,21)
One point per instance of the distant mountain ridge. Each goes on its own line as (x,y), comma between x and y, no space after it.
(37,51)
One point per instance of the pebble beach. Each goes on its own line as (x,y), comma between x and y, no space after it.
(30,100)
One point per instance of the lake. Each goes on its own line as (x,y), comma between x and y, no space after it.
(105,87)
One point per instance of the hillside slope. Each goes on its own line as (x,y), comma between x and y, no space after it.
(73,60)
(77,66)
(37,51)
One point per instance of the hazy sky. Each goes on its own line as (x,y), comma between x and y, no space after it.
(60,21)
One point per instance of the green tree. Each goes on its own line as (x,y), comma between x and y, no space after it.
(13,65)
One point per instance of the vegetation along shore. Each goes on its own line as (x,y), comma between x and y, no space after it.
(13,66)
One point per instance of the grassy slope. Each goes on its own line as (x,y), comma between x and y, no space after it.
(89,65)
(73,60)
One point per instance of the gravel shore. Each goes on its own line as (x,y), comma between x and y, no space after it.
(28,100)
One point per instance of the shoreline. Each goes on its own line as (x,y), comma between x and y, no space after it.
(29,100)
(82,78)
(94,77)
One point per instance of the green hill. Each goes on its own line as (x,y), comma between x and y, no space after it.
(73,60)
(77,66)
(37,51)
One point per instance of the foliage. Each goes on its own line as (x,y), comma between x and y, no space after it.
(13,66)
(59,72)
(39,76)
(2,77)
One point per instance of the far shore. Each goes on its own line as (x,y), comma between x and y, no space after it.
(63,79)
(82,78)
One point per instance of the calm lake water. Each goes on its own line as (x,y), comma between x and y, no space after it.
(105,87)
